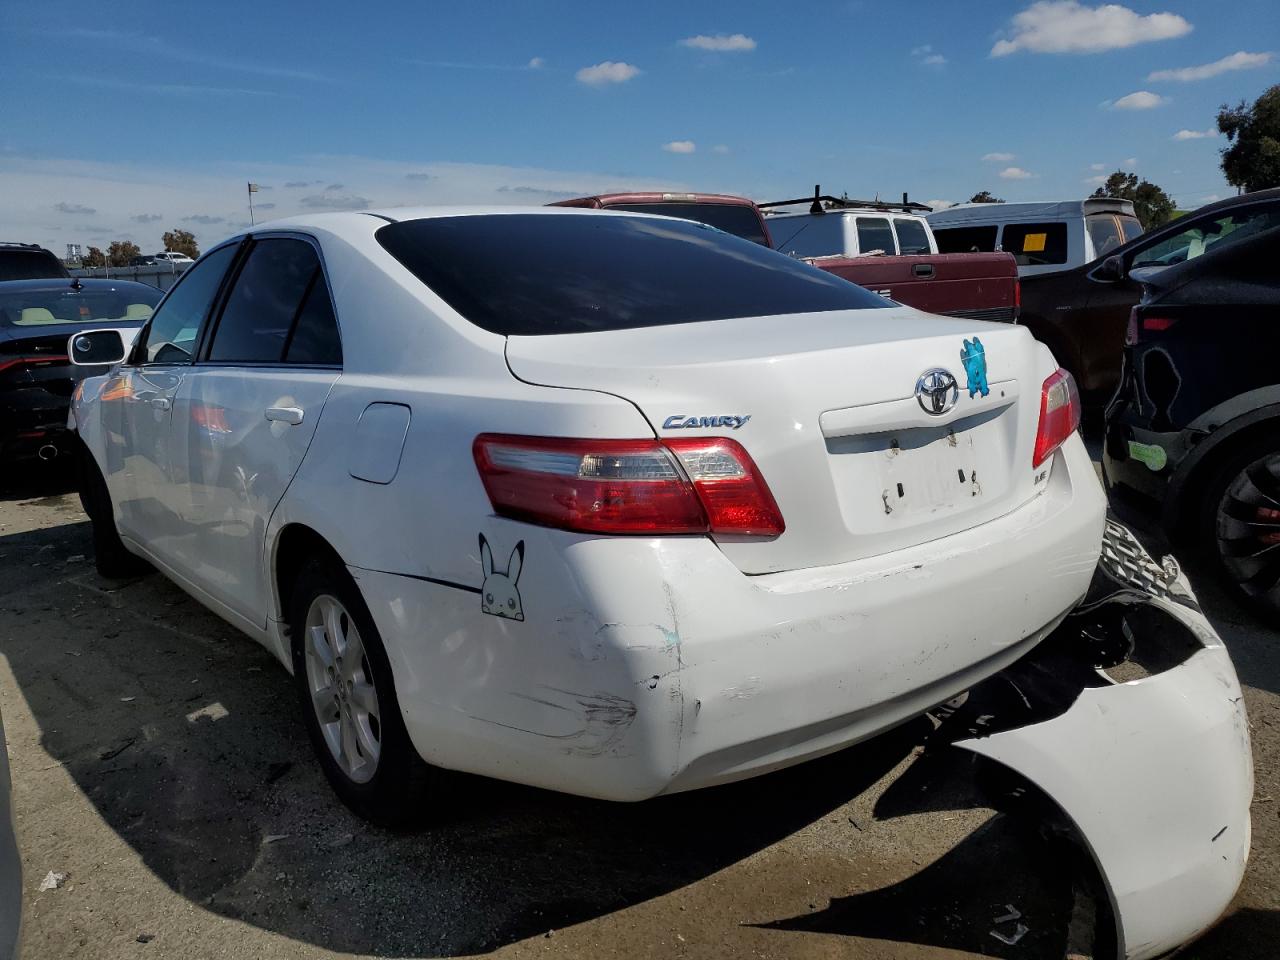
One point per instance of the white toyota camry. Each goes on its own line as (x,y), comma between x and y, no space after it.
(608,503)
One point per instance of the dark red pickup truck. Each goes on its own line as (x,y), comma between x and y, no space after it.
(978,286)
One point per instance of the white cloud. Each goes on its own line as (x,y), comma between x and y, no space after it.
(1130,161)
(720,148)
(119,190)
(606,72)
(680,146)
(1015,173)
(928,56)
(537,63)
(1138,100)
(1097,181)
(720,42)
(998,157)
(1066,26)
(1236,61)
(939,204)
(1195,134)
(1097,166)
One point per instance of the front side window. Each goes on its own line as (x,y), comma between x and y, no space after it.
(171,335)
(814,235)
(538,274)
(913,238)
(1035,244)
(1193,240)
(875,236)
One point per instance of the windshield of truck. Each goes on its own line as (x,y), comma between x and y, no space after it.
(536,274)
(742,221)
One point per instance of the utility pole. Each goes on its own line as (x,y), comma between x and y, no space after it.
(253,188)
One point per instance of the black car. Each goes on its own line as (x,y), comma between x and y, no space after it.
(29,261)
(36,376)
(1194,429)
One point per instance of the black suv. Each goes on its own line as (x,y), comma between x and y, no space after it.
(1194,429)
(28,261)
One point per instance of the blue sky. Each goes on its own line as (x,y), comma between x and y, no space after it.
(126,120)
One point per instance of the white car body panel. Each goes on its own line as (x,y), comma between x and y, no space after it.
(631,666)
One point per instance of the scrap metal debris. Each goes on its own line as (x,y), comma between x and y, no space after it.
(53,880)
(1011,915)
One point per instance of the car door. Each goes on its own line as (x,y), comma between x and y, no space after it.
(137,407)
(245,414)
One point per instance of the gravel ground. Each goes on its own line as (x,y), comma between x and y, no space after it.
(159,762)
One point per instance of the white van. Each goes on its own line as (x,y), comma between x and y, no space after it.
(1044,237)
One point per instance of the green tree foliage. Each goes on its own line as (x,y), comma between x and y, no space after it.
(121,252)
(1252,161)
(94,258)
(181,241)
(1153,206)
(985,196)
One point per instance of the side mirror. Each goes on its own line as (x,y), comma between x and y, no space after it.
(1110,270)
(96,348)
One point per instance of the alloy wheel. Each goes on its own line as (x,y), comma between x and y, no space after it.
(1248,529)
(342,689)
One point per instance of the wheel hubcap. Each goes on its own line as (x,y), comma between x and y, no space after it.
(343,694)
(1249,529)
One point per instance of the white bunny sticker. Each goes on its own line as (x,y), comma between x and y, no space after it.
(499,596)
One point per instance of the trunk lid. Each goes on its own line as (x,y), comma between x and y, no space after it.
(828,411)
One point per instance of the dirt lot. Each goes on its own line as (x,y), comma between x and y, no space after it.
(159,761)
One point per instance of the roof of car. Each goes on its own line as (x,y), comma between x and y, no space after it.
(654,196)
(1031,210)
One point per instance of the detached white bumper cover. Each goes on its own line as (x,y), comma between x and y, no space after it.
(1155,772)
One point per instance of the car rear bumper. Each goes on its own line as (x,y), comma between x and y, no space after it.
(652,665)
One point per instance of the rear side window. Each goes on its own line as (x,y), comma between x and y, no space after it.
(538,274)
(171,336)
(736,218)
(966,239)
(1104,231)
(913,238)
(1035,244)
(280,287)
(875,236)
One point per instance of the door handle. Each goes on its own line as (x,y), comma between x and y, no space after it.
(922,269)
(291,415)
(161,403)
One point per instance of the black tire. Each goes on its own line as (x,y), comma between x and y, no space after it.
(110,555)
(397,795)
(1238,526)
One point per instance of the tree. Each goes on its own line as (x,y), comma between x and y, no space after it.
(1152,205)
(182,241)
(94,258)
(1252,162)
(121,252)
(984,196)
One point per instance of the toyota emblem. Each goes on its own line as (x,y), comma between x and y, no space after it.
(937,391)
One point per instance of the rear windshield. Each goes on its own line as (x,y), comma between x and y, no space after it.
(44,306)
(1104,231)
(30,265)
(741,221)
(537,274)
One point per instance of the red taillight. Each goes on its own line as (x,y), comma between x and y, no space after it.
(1059,415)
(1017,296)
(1145,324)
(8,362)
(707,485)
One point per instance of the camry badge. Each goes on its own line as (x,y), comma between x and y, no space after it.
(678,421)
(937,391)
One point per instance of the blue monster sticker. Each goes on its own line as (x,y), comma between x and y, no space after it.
(974,358)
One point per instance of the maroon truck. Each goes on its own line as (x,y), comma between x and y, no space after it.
(895,254)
